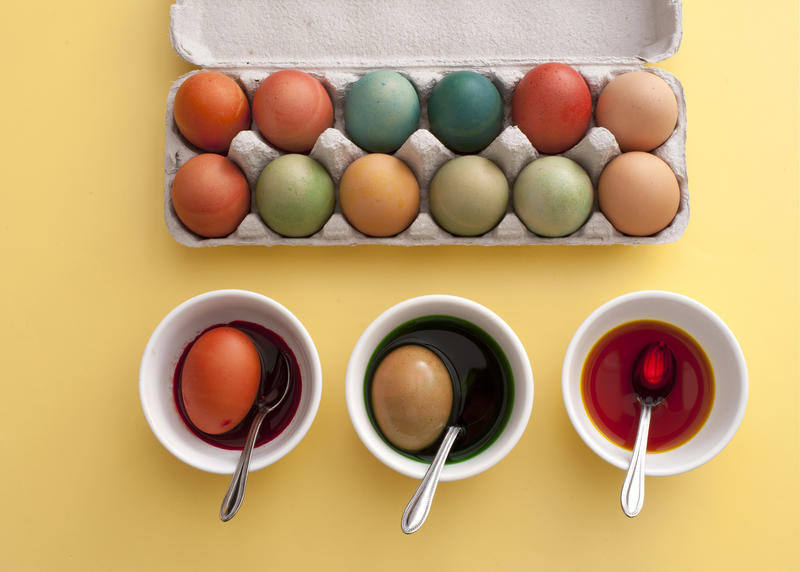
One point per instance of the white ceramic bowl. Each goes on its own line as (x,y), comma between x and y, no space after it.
(721,347)
(182,325)
(479,316)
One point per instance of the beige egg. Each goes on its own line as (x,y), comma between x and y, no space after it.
(638,193)
(639,108)
(412,396)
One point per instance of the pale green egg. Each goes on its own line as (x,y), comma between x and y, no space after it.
(553,196)
(468,196)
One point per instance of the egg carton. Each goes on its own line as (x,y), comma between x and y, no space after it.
(194,21)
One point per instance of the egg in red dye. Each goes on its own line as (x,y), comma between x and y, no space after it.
(220,379)
(552,106)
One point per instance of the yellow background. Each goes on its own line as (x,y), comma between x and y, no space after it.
(88,270)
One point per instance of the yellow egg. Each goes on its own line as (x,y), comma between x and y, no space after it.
(379,195)
(412,396)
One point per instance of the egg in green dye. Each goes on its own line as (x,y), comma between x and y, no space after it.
(553,196)
(295,195)
(381,111)
(465,111)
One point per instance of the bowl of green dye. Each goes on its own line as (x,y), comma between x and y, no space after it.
(489,367)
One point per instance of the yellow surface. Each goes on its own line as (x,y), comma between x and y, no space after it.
(88,270)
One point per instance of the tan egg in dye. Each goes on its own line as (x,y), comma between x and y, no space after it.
(412,397)
(638,193)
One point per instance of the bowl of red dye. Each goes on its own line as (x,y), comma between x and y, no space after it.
(702,412)
(275,333)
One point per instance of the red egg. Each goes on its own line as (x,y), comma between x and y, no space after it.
(552,106)
(292,109)
(219,379)
(210,195)
(210,109)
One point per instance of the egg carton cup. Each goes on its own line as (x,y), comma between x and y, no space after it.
(511,150)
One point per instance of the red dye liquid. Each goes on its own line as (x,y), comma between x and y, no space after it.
(611,403)
(270,345)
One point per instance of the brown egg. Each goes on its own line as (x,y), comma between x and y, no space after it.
(638,193)
(639,108)
(412,396)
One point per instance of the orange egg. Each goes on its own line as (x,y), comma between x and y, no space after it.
(210,195)
(220,379)
(210,109)
(291,109)
(379,195)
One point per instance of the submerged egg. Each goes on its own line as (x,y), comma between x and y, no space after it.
(412,397)
(220,379)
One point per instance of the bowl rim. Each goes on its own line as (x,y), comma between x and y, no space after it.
(225,459)
(445,304)
(576,412)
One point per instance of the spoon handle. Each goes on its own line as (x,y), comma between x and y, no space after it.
(420,504)
(632,496)
(235,494)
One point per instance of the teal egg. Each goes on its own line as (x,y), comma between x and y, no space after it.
(468,196)
(295,195)
(553,196)
(465,111)
(381,111)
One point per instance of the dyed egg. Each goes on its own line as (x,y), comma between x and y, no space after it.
(638,193)
(220,379)
(210,109)
(295,195)
(468,196)
(553,196)
(379,195)
(291,109)
(412,397)
(210,195)
(552,106)
(639,108)
(465,111)
(381,111)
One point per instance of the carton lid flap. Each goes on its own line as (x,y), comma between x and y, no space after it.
(394,33)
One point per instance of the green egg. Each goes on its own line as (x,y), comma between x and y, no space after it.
(295,195)
(381,111)
(553,196)
(465,111)
(468,196)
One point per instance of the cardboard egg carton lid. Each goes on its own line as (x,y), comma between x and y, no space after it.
(433,33)
(339,40)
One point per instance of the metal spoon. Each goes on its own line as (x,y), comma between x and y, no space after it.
(420,504)
(269,398)
(653,379)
